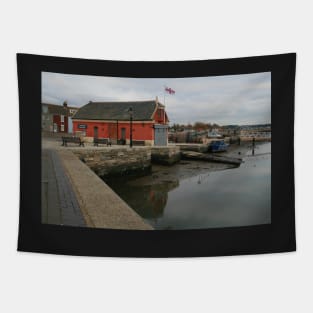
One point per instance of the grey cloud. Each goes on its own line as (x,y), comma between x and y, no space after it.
(233,99)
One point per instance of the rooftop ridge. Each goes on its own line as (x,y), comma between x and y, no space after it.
(135,101)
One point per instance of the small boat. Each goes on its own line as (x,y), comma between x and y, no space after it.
(214,134)
(218,146)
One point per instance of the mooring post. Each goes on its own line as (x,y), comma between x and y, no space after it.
(253,145)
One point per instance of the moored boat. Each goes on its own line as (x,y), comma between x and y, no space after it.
(218,146)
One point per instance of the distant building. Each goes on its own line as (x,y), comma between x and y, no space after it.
(112,120)
(57,118)
(257,131)
(229,130)
(247,131)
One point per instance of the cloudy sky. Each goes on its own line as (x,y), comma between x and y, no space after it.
(232,99)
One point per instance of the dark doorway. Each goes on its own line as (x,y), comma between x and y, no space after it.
(123,133)
(95,132)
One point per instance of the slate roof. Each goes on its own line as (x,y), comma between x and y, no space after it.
(56,109)
(142,110)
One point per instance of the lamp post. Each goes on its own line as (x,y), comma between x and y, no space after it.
(130,111)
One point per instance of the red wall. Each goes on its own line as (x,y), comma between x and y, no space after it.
(160,116)
(57,120)
(141,131)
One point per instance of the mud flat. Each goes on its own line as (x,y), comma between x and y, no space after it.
(170,174)
(190,155)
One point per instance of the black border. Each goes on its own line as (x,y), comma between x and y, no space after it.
(279,236)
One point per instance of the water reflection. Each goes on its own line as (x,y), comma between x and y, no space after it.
(232,197)
(149,201)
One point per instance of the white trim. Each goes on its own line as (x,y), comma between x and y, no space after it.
(156,107)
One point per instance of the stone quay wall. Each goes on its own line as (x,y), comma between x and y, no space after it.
(165,155)
(203,148)
(116,161)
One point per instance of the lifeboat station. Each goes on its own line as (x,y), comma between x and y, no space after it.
(139,122)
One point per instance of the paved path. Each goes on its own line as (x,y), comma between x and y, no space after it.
(101,206)
(59,203)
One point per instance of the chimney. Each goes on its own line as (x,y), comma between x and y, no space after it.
(156,100)
(65,104)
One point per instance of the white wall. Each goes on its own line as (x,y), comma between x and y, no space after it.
(155,30)
(70,125)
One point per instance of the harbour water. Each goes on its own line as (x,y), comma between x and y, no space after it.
(205,197)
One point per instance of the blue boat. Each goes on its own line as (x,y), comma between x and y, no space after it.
(218,146)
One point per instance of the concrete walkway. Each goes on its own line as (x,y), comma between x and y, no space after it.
(100,205)
(59,203)
(72,194)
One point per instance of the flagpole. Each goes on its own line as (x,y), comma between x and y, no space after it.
(164,107)
(164,92)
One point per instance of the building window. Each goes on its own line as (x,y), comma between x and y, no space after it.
(159,113)
(62,118)
(62,128)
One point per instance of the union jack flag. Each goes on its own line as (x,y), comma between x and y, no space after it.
(170,90)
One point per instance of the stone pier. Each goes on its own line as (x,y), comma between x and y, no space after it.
(197,147)
(116,161)
(168,155)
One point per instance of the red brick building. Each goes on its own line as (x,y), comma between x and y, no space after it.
(57,118)
(112,120)
(54,118)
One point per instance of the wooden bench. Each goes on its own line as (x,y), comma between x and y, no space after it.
(101,141)
(121,142)
(65,140)
(138,142)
